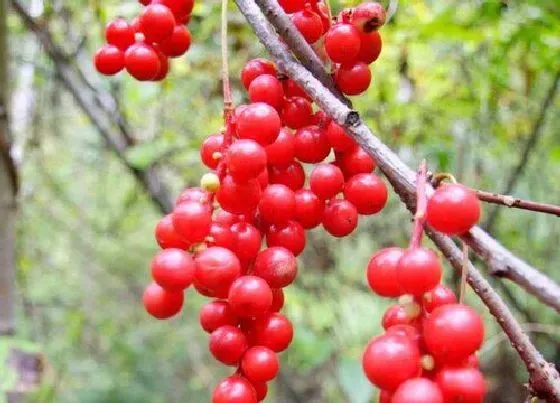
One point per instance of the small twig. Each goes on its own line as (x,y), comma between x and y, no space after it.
(225,61)
(514,202)
(466,262)
(421,203)
(391,10)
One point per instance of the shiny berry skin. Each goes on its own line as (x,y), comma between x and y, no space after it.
(281,153)
(291,89)
(356,162)
(338,138)
(193,194)
(142,62)
(368,16)
(239,198)
(394,316)
(292,176)
(250,296)
(370,48)
(342,43)
(166,236)
(216,314)
(382,272)
(297,112)
(234,389)
(465,385)
(225,218)
(221,235)
(277,300)
(340,218)
(216,268)
(180,8)
(312,145)
(211,145)
(245,159)
(440,295)
(367,192)
(260,364)
(161,303)
(255,68)
(178,43)
(353,79)
(247,240)
(274,331)
(326,181)
(277,266)
(192,220)
(453,332)
(259,122)
(309,24)
(120,34)
(109,60)
(268,89)
(453,209)
(278,204)
(418,390)
(419,271)
(228,344)
(406,330)
(156,22)
(173,269)
(292,6)
(391,359)
(290,236)
(309,209)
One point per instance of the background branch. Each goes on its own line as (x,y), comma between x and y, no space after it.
(514,202)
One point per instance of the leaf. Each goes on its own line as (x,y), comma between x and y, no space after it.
(353,381)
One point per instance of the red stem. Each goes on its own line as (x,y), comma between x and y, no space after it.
(421,202)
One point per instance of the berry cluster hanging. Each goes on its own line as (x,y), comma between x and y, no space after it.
(144,46)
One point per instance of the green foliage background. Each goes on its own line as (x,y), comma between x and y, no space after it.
(477,74)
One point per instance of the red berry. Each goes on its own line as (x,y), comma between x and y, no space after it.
(465,385)
(453,209)
(382,272)
(259,122)
(120,34)
(291,89)
(419,271)
(216,268)
(142,62)
(440,295)
(234,389)
(180,8)
(406,330)
(312,145)
(277,266)
(163,65)
(250,296)
(309,24)
(178,43)
(239,198)
(291,6)
(278,204)
(262,390)
(263,179)
(255,68)
(192,220)
(309,209)
(167,237)
(260,364)
(326,181)
(342,43)
(245,160)
(396,315)
(173,269)
(297,112)
(277,300)
(228,344)
(370,47)
(268,89)
(453,332)
(156,22)
(368,16)
(221,235)
(292,176)
(385,396)
(391,359)
(367,192)
(356,162)
(216,314)
(281,153)
(144,2)
(247,241)
(274,331)
(353,79)
(109,60)
(340,218)
(212,144)
(225,218)
(418,390)
(161,303)
(195,194)
(290,236)
(338,138)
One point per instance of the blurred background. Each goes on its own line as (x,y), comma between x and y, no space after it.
(471,86)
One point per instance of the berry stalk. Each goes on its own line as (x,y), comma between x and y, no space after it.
(421,203)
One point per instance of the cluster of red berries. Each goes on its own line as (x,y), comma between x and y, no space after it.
(351,43)
(428,351)
(144,46)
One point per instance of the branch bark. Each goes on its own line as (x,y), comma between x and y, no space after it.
(514,202)
(96,104)
(544,379)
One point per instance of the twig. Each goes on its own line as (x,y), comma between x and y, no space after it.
(421,203)
(514,202)
(544,379)
(225,60)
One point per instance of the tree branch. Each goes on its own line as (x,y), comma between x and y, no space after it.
(514,202)
(94,104)
(544,378)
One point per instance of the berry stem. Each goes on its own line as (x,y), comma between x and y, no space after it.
(464,271)
(421,202)
(228,105)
